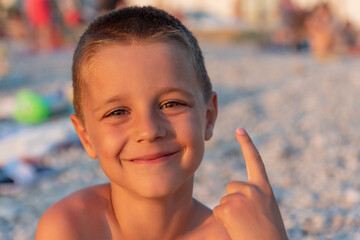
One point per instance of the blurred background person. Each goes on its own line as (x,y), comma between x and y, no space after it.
(320,27)
(350,38)
(70,12)
(39,16)
(290,33)
(69,17)
(105,6)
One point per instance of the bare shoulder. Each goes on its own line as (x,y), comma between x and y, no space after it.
(208,228)
(71,216)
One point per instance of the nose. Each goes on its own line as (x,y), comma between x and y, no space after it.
(149,127)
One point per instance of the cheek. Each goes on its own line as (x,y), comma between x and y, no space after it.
(191,134)
(191,127)
(109,142)
(197,131)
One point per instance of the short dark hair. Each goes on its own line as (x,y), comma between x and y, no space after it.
(128,25)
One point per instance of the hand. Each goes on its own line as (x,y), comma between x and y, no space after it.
(249,210)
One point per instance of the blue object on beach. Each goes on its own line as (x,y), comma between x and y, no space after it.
(21,172)
(12,80)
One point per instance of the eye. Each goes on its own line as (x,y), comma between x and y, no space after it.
(117,112)
(171,104)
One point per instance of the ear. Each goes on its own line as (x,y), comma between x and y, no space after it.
(211,115)
(83,135)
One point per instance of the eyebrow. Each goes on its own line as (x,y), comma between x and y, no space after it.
(113,99)
(172,89)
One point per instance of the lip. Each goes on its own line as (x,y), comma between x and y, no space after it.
(154,158)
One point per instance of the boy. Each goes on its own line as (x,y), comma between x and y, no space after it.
(144,106)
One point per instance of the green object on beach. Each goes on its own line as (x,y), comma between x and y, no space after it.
(30,108)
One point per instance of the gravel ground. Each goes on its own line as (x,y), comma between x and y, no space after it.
(302,114)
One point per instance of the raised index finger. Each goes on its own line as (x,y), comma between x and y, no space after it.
(254,165)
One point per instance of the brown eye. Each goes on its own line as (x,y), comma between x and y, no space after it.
(117,112)
(171,104)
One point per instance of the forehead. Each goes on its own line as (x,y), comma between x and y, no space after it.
(167,55)
(143,62)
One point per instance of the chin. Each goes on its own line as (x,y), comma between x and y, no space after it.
(165,188)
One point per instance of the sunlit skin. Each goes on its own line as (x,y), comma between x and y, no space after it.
(146,125)
(146,120)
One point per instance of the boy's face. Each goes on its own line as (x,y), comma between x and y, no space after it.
(145,117)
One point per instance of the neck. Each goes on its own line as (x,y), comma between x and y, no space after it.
(153,218)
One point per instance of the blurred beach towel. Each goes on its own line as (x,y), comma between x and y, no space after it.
(23,148)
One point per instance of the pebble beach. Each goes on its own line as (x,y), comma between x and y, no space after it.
(302,114)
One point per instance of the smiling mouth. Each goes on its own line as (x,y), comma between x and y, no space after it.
(156,158)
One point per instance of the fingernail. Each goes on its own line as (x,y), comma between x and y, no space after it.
(241,131)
